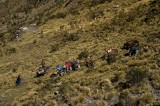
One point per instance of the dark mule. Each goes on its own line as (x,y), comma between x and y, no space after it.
(130,43)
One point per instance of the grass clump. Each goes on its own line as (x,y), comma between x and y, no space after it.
(115,78)
(105,84)
(96,14)
(74,12)
(70,37)
(54,48)
(147,98)
(11,50)
(60,15)
(30,103)
(102,103)
(83,54)
(111,58)
(136,75)
(78,100)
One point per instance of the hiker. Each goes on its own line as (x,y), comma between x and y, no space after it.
(109,52)
(133,50)
(43,65)
(60,70)
(75,65)
(68,66)
(18,81)
(110,55)
(106,54)
(40,72)
(89,62)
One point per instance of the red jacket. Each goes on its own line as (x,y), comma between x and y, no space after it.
(68,64)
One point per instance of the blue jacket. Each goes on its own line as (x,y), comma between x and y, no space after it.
(59,68)
(18,81)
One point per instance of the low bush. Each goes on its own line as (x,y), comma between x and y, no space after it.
(147,98)
(60,15)
(135,75)
(70,37)
(54,48)
(75,12)
(111,58)
(83,54)
(115,78)
(11,50)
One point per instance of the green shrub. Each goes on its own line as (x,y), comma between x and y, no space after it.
(75,12)
(116,78)
(89,70)
(57,16)
(48,86)
(135,75)
(105,84)
(11,50)
(54,48)
(60,15)
(83,54)
(14,70)
(147,98)
(70,37)
(156,103)
(95,14)
(78,99)
(65,88)
(120,103)
(32,2)
(111,58)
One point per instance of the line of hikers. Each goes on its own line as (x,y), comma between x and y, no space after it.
(67,67)
(131,45)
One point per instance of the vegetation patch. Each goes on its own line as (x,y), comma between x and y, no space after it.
(83,54)
(136,75)
(70,37)
(97,2)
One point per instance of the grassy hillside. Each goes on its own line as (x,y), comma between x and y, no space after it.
(65,28)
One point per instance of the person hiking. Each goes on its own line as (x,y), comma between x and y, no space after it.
(60,70)
(68,66)
(18,81)
(40,72)
(44,66)
(43,63)
(106,54)
(133,50)
(89,62)
(75,65)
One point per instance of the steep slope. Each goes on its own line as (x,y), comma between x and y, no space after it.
(68,29)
